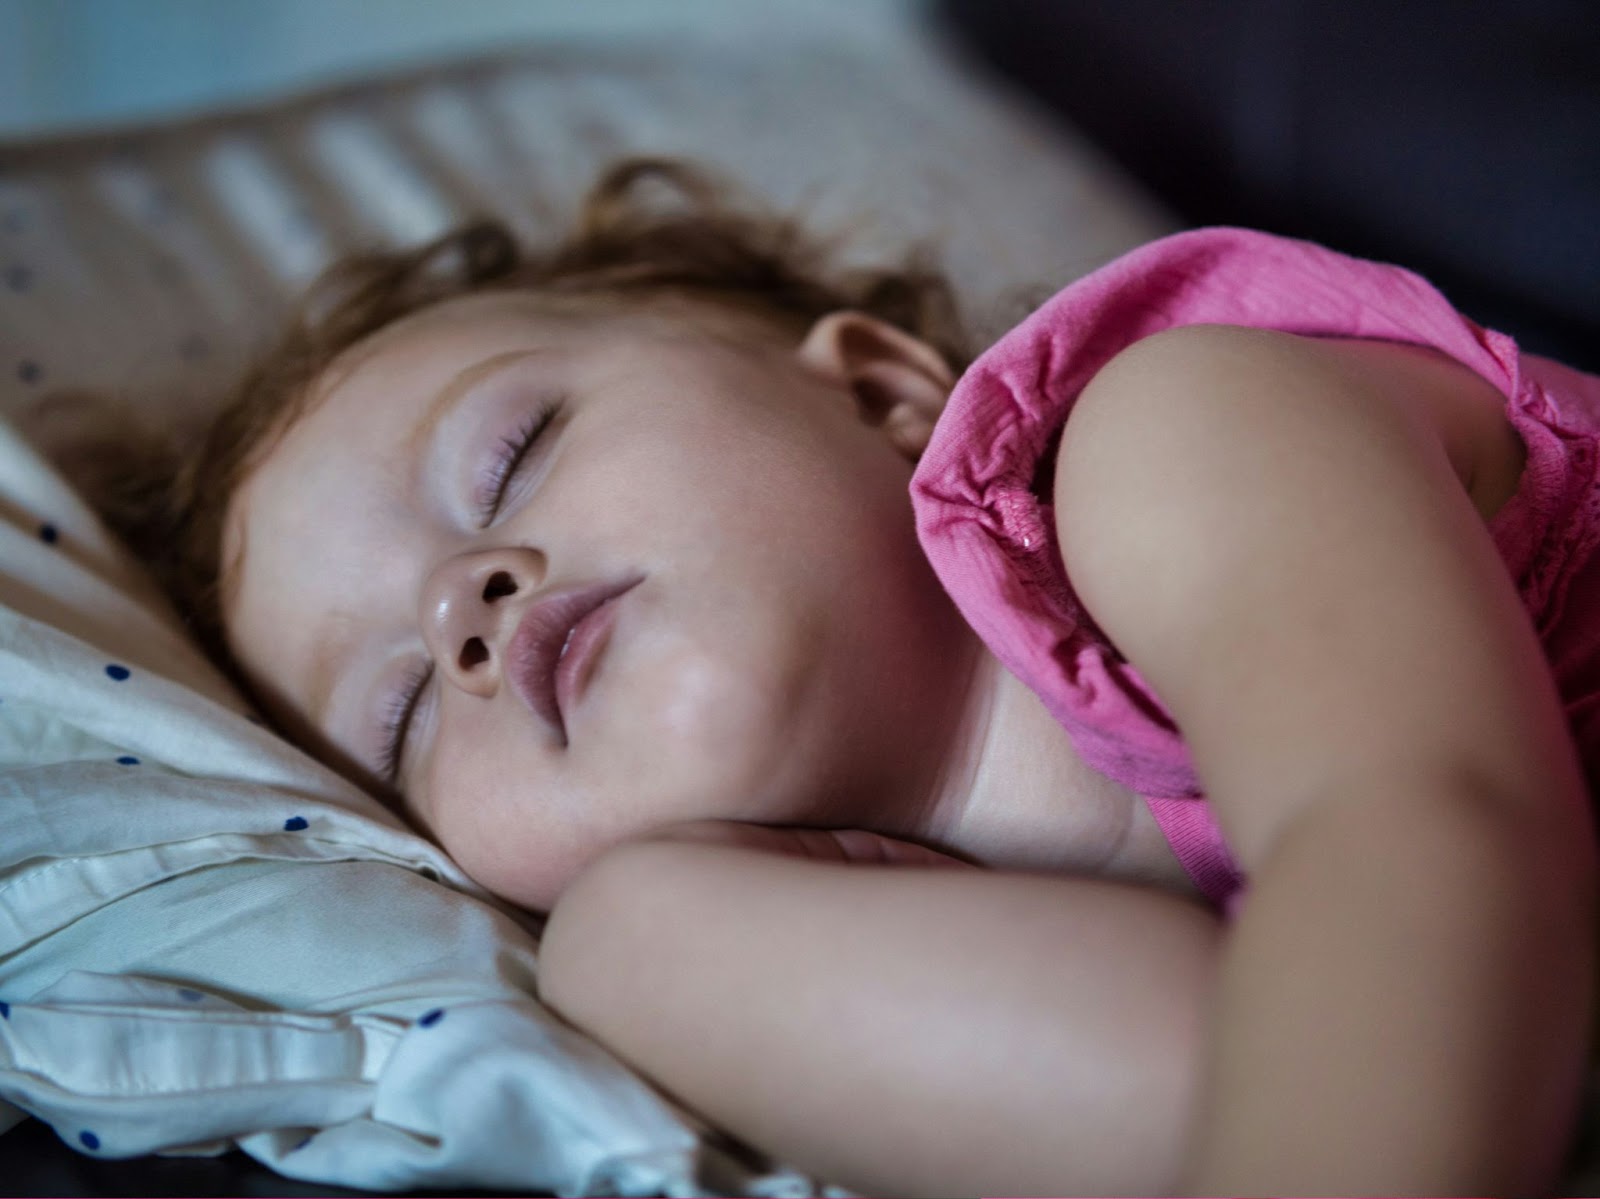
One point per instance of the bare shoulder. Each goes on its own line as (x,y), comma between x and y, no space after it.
(1464,412)
(1286,537)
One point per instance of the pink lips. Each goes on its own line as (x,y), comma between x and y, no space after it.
(557,638)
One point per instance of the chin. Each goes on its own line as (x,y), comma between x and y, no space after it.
(715,708)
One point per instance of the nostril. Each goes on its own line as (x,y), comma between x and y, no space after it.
(474,653)
(500,584)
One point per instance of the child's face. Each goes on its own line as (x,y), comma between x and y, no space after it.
(774,640)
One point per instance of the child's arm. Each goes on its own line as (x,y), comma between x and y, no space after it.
(1269,528)
(903,1031)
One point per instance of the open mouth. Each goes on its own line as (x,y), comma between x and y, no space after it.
(553,652)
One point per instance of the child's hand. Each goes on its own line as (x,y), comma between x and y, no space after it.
(851,845)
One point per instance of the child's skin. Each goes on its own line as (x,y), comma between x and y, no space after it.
(1400,1007)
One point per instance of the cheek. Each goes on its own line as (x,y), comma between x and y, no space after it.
(702,695)
(481,802)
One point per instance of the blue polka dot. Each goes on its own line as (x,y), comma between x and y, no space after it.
(189,995)
(18,278)
(5,1010)
(127,760)
(29,371)
(429,1019)
(49,534)
(120,673)
(90,1141)
(295,823)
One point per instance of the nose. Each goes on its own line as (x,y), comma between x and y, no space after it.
(470,604)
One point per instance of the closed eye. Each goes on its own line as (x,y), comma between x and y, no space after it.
(402,708)
(513,452)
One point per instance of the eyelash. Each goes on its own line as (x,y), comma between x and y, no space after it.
(513,450)
(403,703)
(402,706)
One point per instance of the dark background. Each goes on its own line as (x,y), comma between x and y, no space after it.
(1460,138)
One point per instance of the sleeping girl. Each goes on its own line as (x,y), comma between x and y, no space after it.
(1156,759)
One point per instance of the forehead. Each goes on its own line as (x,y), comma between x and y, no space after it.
(418,340)
(423,336)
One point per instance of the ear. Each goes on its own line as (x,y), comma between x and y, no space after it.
(900,382)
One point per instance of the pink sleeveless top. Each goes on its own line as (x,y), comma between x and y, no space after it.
(981,491)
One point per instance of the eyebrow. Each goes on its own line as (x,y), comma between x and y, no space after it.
(331,651)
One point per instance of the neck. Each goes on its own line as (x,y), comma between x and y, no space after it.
(1012,792)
